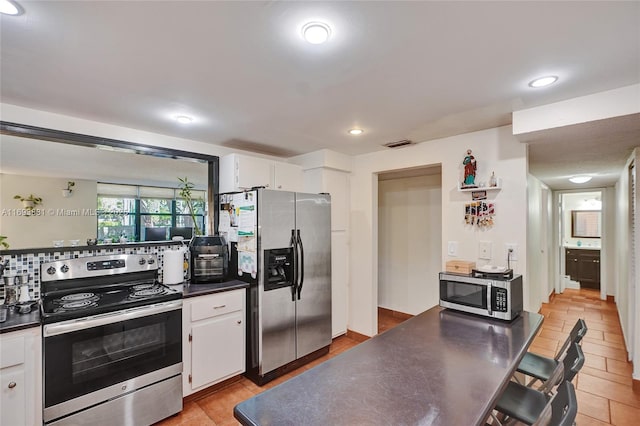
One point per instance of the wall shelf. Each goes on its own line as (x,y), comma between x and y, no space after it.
(484,188)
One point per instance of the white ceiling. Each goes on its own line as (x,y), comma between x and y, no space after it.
(415,70)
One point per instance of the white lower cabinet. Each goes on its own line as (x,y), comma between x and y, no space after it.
(21,377)
(214,339)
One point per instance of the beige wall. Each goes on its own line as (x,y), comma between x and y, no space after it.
(59,218)
(409,245)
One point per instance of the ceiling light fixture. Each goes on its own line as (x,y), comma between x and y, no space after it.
(543,81)
(580,179)
(183,119)
(8,7)
(316,32)
(356,131)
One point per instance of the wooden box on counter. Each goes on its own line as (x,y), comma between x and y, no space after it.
(460,266)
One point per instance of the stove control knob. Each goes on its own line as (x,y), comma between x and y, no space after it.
(151,261)
(142,261)
(51,270)
(64,269)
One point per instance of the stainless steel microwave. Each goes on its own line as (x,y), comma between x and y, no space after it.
(488,297)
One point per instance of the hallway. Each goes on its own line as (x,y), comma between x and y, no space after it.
(604,385)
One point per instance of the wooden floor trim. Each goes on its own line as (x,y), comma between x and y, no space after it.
(357,336)
(394,314)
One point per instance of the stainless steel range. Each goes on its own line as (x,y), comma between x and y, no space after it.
(112,341)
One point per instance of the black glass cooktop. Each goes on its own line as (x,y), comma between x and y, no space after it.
(88,301)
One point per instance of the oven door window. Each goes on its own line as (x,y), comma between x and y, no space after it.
(467,294)
(84,361)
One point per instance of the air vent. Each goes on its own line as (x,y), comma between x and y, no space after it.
(398,144)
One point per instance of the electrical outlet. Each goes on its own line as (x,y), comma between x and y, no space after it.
(484,250)
(452,248)
(513,247)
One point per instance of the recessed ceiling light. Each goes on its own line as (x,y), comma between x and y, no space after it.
(8,7)
(543,81)
(580,179)
(356,131)
(316,32)
(183,119)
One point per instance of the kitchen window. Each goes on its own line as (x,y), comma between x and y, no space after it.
(135,212)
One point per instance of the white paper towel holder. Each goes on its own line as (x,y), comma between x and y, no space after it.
(173,265)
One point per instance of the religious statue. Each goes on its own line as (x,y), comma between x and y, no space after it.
(469,170)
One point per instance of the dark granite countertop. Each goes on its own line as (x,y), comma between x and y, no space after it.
(439,368)
(193,290)
(16,321)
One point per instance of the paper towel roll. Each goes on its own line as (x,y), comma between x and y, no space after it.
(172,268)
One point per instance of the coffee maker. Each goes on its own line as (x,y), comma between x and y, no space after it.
(209,259)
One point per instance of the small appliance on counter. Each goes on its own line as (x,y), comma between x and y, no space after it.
(487,296)
(209,259)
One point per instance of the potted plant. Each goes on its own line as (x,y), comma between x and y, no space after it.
(28,203)
(186,188)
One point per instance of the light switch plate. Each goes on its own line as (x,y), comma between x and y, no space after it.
(452,248)
(484,250)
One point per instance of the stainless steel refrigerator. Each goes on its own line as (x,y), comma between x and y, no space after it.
(289,297)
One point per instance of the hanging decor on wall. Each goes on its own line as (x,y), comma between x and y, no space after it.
(479,213)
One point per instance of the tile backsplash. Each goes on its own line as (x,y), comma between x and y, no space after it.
(28,262)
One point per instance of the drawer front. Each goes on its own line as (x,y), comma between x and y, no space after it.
(216,304)
(11,351)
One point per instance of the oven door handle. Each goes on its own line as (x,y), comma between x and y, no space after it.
(489,299)
(109,318)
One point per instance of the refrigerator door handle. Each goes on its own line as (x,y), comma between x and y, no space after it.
(294,280)
(301,262)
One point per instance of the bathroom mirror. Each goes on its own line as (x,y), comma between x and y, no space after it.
(586,223)
(43,162)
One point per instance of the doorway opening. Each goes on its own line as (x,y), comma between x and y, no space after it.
(409,242)
(581,239)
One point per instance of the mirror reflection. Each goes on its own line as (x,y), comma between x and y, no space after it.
(586,223)
(103,195)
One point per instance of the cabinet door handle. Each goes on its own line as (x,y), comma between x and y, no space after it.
(596,261)
(575,260)
(239,321)
(12,385)
(219,306)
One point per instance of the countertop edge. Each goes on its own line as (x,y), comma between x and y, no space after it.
(195,290)
(31,320)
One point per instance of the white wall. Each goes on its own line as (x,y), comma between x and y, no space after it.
(495,150)
(598,106)
(539,243)
(609,242)
(70,218)
(409,245)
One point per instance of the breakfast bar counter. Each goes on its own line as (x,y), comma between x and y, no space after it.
(438,368)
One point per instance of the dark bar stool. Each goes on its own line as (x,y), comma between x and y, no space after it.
(540,367)
(537,410)
(531,406)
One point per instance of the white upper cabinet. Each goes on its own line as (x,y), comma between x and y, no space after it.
(287,177)
(239,172)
